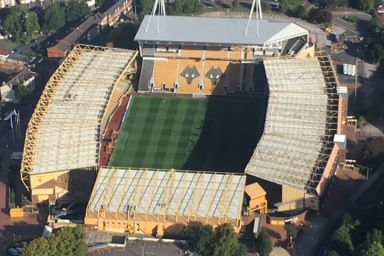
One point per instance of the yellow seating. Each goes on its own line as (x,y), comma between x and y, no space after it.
(192,52)
(165,72)
(216,53)
(168,72)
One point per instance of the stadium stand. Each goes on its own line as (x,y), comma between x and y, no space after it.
(155,200)
(169,38)
(64,131)
(299,127)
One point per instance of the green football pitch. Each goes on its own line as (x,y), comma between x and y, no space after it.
(214,133)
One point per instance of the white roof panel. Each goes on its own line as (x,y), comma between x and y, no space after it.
(214,30)
(295,125)
(68,137)
(212,195)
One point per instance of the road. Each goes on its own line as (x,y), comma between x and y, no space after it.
(358,28)
(343,194)
(30,46)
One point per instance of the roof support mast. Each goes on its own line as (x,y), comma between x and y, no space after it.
(158,4)
(255,4)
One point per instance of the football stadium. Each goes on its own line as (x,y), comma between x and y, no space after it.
(212,118)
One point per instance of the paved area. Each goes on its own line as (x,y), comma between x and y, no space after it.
(279,251)
(139,248)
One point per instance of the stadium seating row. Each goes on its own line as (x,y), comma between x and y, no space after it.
(189,76)
(198,52)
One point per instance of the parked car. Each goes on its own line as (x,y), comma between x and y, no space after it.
(13,251)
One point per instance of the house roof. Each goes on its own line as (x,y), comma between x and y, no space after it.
(5,52)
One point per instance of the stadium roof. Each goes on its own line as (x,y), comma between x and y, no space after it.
(168,192)
(209,30)
(296,128)
(63,133)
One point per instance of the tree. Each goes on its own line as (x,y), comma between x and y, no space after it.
(365,5)
(176,8)
(337,3)
(300,12)
(191,7)
(76,10)
(332,253)
(21,25)
(37,247)
(53,18)
(31,25)
(264,244)
(21,91)
(283,7)
(13,24)
(221,242)
(361,122)
(12,202)
(291,232)
(226,242)
(374,249)
(68,241)
(201,239)
(342,241)
(318,15)
(145,7)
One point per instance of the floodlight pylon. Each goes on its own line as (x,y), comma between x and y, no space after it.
(256,4)
(158,6)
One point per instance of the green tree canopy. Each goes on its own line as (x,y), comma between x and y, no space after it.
(319,15)
(37,247)
(76,10)
(291,231)
(144,7)
(226,242)
(31,25)
(374,249)
(68,241)
(365,5)
(332,253)
(337,3)
(264,244)
(53,18)
(21,91)
(21,25)
(13,24)
(201,239)
(342,241)
(191,7)
(221,242)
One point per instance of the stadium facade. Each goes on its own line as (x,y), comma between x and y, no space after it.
(300,147)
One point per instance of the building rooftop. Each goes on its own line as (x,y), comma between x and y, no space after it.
(151,192)
(208,30)
(254,190)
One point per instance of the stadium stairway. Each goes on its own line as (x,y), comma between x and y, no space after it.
(297,46)
(146,75)
(288,46)
(148,51)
